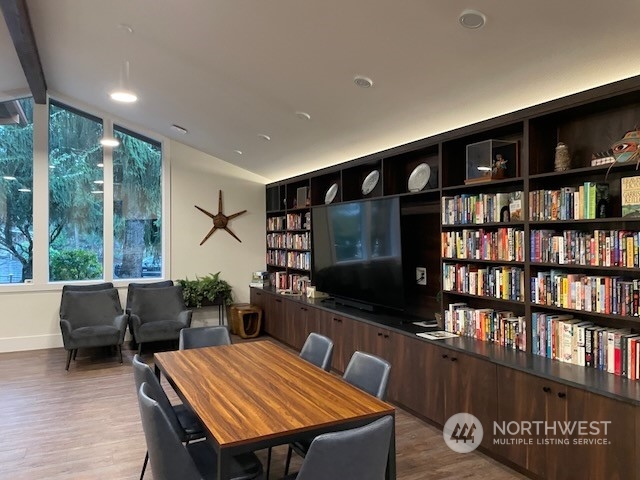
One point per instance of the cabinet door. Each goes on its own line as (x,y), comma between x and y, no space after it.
(295,324)
(274,325)
(471,388)
(340,330)
(610,455)
(410,382)
(259,298)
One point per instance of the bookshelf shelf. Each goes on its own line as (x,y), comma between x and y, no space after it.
(483,297)
(484,262)
(607,316)
(462,226)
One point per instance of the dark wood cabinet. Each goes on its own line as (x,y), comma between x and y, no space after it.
(582,435)
(294,329)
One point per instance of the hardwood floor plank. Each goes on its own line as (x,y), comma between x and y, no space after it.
(85,424)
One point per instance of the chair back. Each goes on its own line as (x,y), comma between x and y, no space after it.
(133,286)
(356,454)
(318,349)
(368,373)
(90,307)
(204,337)
(163,303)
(142,373)
(169,458)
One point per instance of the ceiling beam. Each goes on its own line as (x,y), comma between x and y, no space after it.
(16,15)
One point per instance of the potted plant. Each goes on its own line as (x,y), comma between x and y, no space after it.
(207,290)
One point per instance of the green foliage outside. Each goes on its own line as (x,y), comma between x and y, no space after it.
(210,289)
(74,265)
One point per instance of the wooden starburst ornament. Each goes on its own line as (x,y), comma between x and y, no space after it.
(220,220)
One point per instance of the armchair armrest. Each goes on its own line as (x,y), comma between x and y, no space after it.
(184,317)
(134,324)
(65,328)
(120,322)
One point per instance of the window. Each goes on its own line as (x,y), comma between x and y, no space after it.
(16,200)
(76,198)
(137,206)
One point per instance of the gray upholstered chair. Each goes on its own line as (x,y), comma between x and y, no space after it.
(158,314)
(182,420)
(91,318)
(357,454)
(204,337)
(132,286)
(171,460)
(365,371)
(318,349)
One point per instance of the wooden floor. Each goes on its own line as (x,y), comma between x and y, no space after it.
(85,424)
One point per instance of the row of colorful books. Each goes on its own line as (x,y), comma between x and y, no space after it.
(503,282)
(502,244)
(588,201)
(572,340)
(276,223)
(604,248)
(299,221)
(590,293)
(481,208)
(486,324)
(301,260)
(277,258)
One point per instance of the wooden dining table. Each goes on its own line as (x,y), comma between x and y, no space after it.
(255,395)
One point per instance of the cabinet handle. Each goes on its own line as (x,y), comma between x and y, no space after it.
(454,359)
(386,336)
(444,355)
(337,320)
(562,395)
(304,309)
(278,300)
(546,389)
(379,334)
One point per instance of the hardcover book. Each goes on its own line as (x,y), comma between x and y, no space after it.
(630,196)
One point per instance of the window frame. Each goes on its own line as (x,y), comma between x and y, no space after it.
(40,281)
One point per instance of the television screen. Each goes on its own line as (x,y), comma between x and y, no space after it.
(357,251)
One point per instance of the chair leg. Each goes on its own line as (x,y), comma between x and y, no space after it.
(139,348)
(144,464)
(69,355)
(75,353)
(120,352)
(288,463)
(268,463)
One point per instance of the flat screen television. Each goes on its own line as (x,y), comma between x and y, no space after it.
(357,253)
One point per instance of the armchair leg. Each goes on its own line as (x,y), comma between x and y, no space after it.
(69,355)
(288,463)
(75,353)
(144,464)
(120,352)
(139,348)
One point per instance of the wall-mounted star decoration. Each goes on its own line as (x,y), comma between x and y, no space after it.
(220,220)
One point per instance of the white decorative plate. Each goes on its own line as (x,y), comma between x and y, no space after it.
(331,194)
(370,182)
(419,177)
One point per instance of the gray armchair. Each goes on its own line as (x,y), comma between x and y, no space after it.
(158,314)
(91,318)
(132,286)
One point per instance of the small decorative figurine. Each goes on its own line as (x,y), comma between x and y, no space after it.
(626,149)
(499,167)
(563,159)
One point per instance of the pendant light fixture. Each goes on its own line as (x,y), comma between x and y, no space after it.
(124,94)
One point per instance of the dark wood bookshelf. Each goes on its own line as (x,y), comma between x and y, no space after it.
(486,262)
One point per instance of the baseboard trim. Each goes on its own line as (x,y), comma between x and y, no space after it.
(34,342)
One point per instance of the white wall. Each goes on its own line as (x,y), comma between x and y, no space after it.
(29,319)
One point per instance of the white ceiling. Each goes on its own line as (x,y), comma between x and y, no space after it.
(228,70)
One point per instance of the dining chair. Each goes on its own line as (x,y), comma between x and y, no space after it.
(318,350)
(171,460)
(182,420)
(356,454)
(204,337)
(365,371)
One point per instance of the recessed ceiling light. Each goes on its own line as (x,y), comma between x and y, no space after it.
(98,182)
(109,142)
(123,96)
(52,166)
(97,191)
(9,177)
(100,165)
(26,190)
(239,152)
(264,137)
(363,82)
(179,129)
(303,115)
(472,19)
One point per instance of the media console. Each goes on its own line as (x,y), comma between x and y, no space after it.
(436,379)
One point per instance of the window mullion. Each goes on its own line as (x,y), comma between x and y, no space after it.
(108,203)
